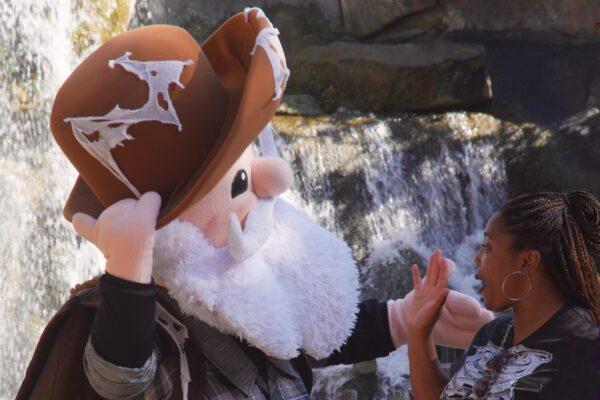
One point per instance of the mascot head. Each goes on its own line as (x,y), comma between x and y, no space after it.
(152,110)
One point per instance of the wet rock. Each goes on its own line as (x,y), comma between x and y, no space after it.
(390,278)
(365,367)
(364,17)
(299,104)
(565,157)
(387,78)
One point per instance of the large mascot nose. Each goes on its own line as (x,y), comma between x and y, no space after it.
(271,176)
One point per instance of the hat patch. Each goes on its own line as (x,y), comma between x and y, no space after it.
(112,127)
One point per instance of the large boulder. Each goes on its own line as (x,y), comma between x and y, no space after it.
(384,78)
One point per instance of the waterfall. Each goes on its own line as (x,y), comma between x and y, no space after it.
(40,257)
(413,191)
(387,189)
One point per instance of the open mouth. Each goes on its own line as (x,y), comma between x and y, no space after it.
(482,283)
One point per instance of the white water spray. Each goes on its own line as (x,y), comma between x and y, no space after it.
(40,256)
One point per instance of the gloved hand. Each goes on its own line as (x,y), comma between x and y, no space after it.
(124,233)
(460,319)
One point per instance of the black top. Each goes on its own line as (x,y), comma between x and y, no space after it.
(560,360)
(123,330)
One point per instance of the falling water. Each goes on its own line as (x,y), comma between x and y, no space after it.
(40,257)
(414,190)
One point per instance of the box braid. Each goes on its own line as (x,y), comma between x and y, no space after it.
(565,229)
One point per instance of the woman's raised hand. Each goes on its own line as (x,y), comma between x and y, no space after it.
(429,296)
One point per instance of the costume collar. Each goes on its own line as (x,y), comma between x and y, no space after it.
(224,353)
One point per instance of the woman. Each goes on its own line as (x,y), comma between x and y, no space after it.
(540,258)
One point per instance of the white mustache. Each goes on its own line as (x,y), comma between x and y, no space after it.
(259,224)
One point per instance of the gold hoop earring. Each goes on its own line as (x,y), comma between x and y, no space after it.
(516,298)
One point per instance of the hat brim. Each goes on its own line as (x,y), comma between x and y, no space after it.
(82,200)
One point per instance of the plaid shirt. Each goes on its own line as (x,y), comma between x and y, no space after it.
(284,383)
(230,373)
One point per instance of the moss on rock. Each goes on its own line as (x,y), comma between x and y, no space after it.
(101,20)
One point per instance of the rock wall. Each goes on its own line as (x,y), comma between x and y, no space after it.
(540,55)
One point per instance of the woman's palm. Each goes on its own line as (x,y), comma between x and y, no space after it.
(429,296)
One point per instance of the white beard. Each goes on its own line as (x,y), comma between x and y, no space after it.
(298,291)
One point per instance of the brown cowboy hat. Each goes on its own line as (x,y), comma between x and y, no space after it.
(152,110)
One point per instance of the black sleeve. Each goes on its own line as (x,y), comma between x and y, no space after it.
(370,338)
(123,330)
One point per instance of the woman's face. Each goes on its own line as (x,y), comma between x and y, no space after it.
(495,260)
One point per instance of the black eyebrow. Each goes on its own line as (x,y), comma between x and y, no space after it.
(487,234)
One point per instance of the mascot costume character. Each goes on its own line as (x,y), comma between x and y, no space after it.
(214,288)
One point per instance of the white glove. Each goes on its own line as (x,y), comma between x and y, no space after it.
(124,233)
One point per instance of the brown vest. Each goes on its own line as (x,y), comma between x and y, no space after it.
(56,369)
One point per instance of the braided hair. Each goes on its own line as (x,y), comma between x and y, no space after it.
(565,229)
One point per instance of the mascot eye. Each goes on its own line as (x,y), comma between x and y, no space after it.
(240,183)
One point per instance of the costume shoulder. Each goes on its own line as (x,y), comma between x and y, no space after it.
(56,369)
